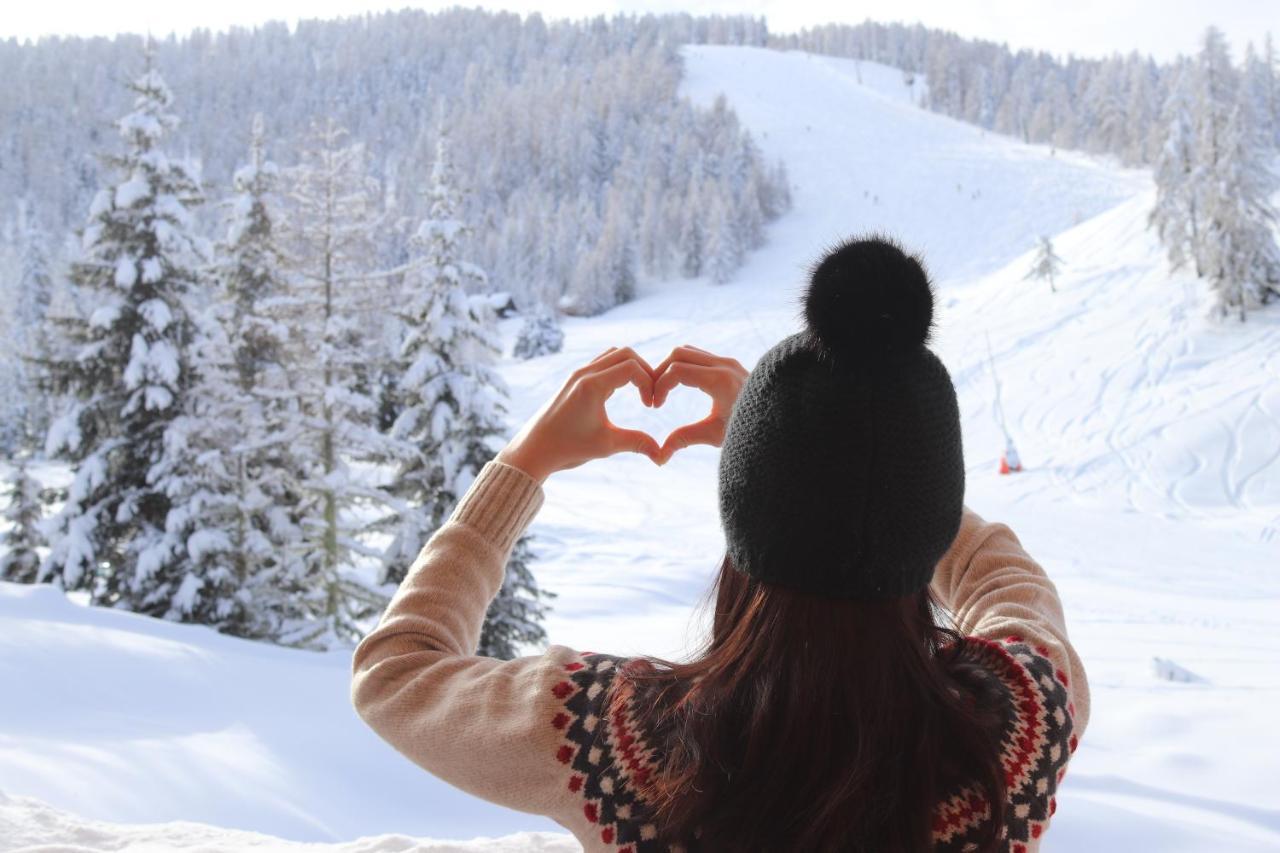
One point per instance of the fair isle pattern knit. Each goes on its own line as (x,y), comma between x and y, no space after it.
(1037,741)
(605,758)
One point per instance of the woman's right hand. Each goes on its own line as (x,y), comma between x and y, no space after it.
(720,377)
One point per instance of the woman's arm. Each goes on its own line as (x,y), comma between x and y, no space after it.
(518,733)
(481,724)
(995,589)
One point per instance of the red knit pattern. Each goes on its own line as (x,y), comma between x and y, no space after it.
(633,758)
(608,760)
(1031,738)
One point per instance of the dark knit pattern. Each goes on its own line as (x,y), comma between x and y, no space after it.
(838,478)
(1038,738)
(605,757)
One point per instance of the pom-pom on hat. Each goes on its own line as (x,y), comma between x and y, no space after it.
(841,471)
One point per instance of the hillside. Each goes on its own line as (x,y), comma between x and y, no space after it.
(1151,496)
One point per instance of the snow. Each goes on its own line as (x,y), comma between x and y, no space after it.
(1151,494)
(155,311)
(64,431)
(140,124)
(152,271)
(126,272)
(132,191)
(184,600)
(105,315)
(30,822)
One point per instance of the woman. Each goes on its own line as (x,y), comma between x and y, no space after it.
(829,709)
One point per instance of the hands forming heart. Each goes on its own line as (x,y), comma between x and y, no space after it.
(573,428)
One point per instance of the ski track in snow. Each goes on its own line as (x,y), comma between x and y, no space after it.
(1151,494)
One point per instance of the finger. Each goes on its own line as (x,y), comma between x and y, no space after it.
(602,355)
(633,441)
(608,358)
(725,360)
(605,382)
(684,353)
(709,430)
(697,376)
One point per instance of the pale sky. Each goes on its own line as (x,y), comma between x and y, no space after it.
(1162,28)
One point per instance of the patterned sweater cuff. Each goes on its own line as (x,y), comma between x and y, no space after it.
(500,504)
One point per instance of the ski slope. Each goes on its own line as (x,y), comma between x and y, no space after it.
(1151,439)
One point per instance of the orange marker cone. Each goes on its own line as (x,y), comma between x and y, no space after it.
(1009,461)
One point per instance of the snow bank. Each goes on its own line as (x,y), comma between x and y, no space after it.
(30,825)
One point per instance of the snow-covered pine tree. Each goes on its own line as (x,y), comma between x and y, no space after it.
(1213,94)
(605,275)
(1240,255)
(27,352)
(1258,85)
(540,334)
(1271,63)
(725,249)
(1175,216)
(453,413)
(515,615)
(126,378)
(21,562)
(1232,182)
(693,233)
(331,225)
(1046,264)
(232,475)
(436,378)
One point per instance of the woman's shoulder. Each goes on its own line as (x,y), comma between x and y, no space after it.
(606,758)
(1037,739)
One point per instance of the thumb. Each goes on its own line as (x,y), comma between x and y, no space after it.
(705,431)
(635,441)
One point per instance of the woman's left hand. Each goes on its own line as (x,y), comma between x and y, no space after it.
(573,428)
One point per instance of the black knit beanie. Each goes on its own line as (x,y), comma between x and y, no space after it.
(841,471)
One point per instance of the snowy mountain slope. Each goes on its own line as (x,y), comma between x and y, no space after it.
(862,156)
(1135,400)
(1149,496)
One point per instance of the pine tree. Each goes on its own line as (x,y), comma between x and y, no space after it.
(127,379)
(540,334)
(231,473)
(332,222)
(453,398)
(1240,255)
(441,363)
(20,562)
(1271,69)
(693,235)
(1046,264)
(1233,182)
(1257,85)
(27,351)
(1175,215)
(725,249)
(515,615)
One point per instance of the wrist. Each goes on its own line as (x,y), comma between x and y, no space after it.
(517,456)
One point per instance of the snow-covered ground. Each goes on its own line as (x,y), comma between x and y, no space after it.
(1151,494)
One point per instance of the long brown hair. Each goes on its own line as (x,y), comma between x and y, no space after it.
(811,723)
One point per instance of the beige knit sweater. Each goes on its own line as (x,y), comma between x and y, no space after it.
(534,734)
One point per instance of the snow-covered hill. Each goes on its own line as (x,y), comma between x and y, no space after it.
(1151,495)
